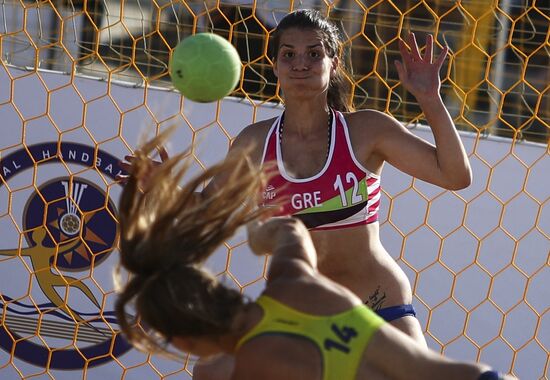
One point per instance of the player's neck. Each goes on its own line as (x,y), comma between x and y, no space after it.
(306,117)
(242,323)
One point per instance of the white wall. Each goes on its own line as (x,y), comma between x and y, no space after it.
(479,265)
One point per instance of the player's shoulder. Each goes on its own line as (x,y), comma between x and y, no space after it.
(257,130)
(368,118)
(272,357)
(253,361)
(370,124)
(252,139)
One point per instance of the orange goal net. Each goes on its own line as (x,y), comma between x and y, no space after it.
(80,79)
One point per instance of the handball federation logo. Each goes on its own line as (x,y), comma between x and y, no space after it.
(69,228)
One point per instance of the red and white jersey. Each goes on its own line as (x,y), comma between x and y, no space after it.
(343,194)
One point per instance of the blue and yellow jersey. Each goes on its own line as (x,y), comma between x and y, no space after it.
(341,338)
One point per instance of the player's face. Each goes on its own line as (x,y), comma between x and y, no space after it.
(302,64)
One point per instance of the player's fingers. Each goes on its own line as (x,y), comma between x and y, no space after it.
(124,165)
(253,226)
(405,54)
(255,241)
(439,61)
(262,235)
(122,178)
(163,153)
(428,53)
(400,70)
(414,47)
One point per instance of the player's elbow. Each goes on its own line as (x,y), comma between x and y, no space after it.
(460,179)
(462,182)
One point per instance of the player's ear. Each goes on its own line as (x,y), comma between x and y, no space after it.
(275,69)
(334,66)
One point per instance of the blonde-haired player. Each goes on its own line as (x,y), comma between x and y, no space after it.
(303,326)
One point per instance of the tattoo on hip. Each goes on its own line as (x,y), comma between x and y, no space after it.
(376,299)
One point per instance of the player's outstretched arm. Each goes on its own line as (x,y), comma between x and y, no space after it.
(287,240)
(399,357)
(444,163)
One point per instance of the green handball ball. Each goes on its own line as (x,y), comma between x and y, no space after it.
(205,67)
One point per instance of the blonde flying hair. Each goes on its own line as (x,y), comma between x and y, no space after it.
(167,232)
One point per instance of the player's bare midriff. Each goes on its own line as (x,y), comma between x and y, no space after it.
(355,258)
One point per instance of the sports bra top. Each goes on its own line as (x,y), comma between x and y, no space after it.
(343,194)
(341,338)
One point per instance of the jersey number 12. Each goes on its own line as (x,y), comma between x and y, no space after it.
(355,196)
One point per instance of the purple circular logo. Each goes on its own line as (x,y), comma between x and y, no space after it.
(70,225)
(72,210)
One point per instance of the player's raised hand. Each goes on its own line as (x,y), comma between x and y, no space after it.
(418,73)
(126,165)
(263,234)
